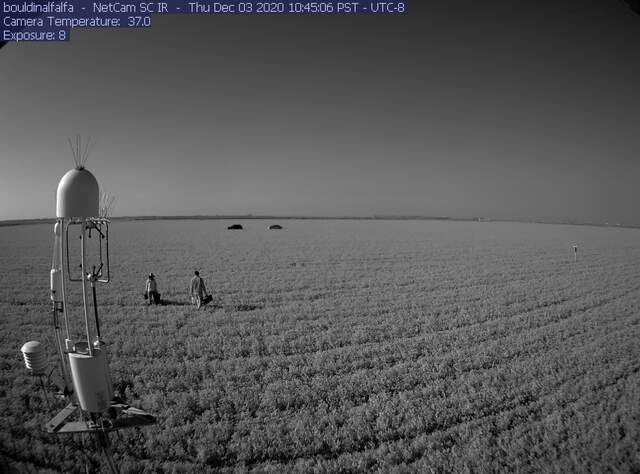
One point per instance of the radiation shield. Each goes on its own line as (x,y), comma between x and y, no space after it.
(34,356)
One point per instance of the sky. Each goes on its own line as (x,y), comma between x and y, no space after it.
(499,109)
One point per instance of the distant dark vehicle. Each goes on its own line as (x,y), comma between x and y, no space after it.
(275,226)
(234,227)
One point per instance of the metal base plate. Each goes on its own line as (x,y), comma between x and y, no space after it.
(125,416)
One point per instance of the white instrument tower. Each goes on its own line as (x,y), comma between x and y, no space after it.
(81,350)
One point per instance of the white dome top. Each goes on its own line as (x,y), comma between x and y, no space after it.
(78,194)
(32,347)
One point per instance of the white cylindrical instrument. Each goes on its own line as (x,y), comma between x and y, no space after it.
(57,236)
(56,285)
(56,266)
(91,380)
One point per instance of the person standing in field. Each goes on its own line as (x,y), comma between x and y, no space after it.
(198,290)
(151,289)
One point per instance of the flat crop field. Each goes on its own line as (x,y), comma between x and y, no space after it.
(346,346)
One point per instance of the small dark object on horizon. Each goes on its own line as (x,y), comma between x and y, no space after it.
(234,227)
(275,226)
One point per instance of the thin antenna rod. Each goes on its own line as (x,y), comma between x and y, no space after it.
(72,150)
(106,204)
(87,151)
(80,153)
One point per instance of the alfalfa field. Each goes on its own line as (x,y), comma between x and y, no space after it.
(345,346)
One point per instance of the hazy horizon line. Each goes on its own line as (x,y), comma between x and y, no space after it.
(44,220)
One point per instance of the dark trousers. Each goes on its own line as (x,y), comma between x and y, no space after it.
(152,297)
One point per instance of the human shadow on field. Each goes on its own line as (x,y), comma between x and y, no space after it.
(231,308)
(174,303)
(247,307)
(213,306)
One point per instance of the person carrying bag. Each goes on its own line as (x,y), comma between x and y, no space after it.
(198,291)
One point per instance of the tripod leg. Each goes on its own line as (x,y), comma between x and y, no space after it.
(44,390)
(105,446)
